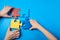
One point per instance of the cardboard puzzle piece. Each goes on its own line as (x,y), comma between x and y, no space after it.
(15,13)
(16,24)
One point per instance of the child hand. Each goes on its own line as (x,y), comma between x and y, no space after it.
(12,34)
(34,24)
(4,11)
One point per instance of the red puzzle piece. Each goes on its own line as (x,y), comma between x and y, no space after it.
(15,13)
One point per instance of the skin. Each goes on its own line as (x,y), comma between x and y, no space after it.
(43,30)
(9,34)
(4,11)
(14,34)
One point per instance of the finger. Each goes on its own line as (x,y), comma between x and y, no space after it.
(15,31)
(14,36)
(17,35)
(18,29)
(8,16)
(31,28)
(7,9)
(32,22)
(8,29)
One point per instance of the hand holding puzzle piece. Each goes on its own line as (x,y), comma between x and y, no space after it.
(16,24)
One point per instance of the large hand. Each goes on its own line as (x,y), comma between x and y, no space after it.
(43,30)
(12,34)
(4,11)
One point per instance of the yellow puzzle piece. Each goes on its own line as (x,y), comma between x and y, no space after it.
(15,24)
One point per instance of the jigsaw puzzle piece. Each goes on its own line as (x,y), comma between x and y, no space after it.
(15,13)
(27,24)
(15,25)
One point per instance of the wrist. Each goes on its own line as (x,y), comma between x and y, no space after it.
(39,27)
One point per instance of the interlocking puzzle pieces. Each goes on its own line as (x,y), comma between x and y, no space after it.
(15,12)
(15,24)
(25,21)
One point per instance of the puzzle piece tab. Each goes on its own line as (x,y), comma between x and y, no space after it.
(15,13)
(16,24)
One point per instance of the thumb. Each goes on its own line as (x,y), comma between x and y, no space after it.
(31,28)
(32,22)
(8,29)
(7,16)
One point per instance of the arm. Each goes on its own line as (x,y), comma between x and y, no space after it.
(44,31)
(10,34)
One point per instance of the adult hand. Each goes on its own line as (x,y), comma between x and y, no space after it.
(34,24)
(43,30)
(4,11)
(12,34)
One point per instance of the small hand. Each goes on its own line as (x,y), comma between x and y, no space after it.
(34,24)
(4,11)
(12,34)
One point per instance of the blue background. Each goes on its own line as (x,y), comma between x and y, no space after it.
(46,12)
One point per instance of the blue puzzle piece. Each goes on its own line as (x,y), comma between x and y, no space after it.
(27,24)
(25,20)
